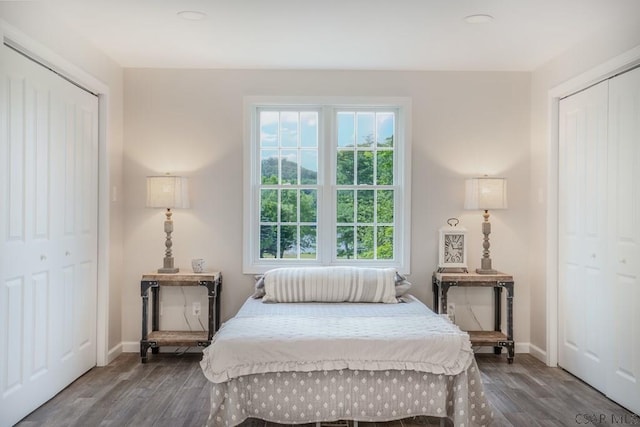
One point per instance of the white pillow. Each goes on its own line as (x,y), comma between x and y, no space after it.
(402,285)
(330,284)
(258,287)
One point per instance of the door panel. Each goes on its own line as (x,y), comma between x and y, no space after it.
(41,292)
(582,233)
(624,188)
(48,234)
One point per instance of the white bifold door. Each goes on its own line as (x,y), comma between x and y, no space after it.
(624,239)
(583,229)
(48,234)
(599,237)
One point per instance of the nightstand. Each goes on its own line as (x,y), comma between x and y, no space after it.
(496,338)
(212,281)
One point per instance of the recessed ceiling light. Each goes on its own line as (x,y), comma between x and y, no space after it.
(192,15)
(478,19)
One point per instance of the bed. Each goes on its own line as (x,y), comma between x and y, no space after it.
(305,362)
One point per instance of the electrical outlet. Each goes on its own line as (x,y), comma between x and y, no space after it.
(196,308)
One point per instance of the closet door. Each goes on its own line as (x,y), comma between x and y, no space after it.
(583,285)
(624,229)
(48,234)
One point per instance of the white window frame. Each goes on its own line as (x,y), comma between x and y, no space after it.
(327,106)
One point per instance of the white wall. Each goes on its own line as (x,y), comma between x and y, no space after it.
(190,122)
(29,19)
(580,59)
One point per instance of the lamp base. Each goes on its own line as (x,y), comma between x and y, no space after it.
(167,261)
(485,262)
(486,271)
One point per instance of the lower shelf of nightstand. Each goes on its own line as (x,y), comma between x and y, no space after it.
(178,338)
(486,337)
(496,339)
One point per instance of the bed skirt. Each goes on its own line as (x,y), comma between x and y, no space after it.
(309,397)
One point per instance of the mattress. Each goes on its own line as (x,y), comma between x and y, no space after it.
(255,367)
(304,337)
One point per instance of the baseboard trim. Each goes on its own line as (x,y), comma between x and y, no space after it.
(538,353)
(523,347)
(131,346)
(113,353)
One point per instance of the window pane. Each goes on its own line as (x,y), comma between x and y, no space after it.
(293,176)
(385,242)
(269,206)
(384,170)
(288,205)
(365,167)
(289,166)
(365,242)
(385,206)
(288,129)
(289,241)
(269,166)
(385,125)
(309,167)
(344,242)
(365,205)
(365,129)
(308,242)
(308,206)
(269,128)
(344,169)
(268,241)
(309,129)
(345,211)
(346,130)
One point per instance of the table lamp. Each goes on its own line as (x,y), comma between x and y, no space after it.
(485,193)
(168,192)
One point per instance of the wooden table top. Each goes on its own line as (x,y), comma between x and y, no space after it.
(473,277)
(168,279)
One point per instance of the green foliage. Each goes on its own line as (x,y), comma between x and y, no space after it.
(345,167)
(345,209)
(385,242)
(357,211)
(268,241)
(365,167)
(289,222)
(373,206)
(384,167)
(388,142)
(289,172)
(287,207)
(345,243)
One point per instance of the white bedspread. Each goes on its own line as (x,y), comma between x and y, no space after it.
(307,337)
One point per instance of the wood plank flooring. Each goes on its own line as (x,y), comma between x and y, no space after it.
(171,391)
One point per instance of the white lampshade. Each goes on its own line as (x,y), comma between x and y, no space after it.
(167,192)
(485,193)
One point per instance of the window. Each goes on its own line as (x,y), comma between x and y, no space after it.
(326,183)
(288,187)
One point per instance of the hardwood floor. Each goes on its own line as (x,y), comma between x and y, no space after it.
(170,390)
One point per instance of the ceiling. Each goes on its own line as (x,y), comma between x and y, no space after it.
(340,34)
